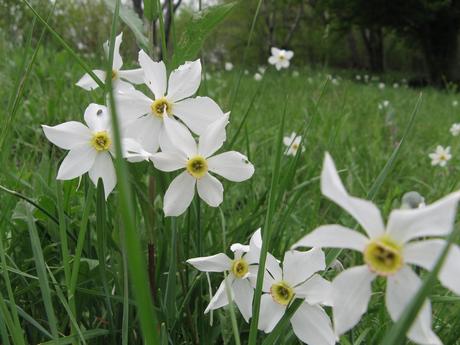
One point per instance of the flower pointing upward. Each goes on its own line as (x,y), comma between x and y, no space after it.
(180,151)
(388,252)
(121,79)
(280,58)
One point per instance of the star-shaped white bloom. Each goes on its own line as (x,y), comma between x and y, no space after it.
(293,143)
(121,79)
(143,116)
(242,274)
(280,58)
(441,156)
(455,129)
(298,279)
(180,151)
(228,66)
(411,237)
(90,147)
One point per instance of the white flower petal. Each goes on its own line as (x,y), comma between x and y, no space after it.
(289,54)
(351,292)
(133,151)
(197,113)
(184,81)
(155,74)
(88,83)
(436,219)
(311,325)
(255,245)
(220,298)
(333,236)
(67,135)
(315,290)
(365,212)
(231,165)
(180,137)
(426,253)
(274,268)
(77,162)
(275,51)
(210,190)
(179,194)
(97,117)
(121,86)
(401,287)
(299,266)
(146,130)
(243,295)
(213,137)
(103,168)
(166,161)
(272,60)
(117,60)
(214,263)
(270,313)
(135,76)
(133,105)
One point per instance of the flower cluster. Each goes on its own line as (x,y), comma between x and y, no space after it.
(164,120)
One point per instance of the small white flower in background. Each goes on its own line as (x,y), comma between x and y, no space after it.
(121,79)
(246,72)
(310,80)
(262,69)
(358,77)
(366,78)
(441,156)
(293,143)
(242,274)
(381,86)
(455,129)
(90,147)
(180,151)
(257,77)
(298,279)
(388,252)
(143,117)
(395,85)
(280,58)
(295,74)
(334,81)
(455,103)
(228,66)
(383,105)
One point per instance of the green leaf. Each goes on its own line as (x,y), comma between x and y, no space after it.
(132,20)
(200,26)
(150,10)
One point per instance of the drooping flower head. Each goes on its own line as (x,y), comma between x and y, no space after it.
(441,156)
(90,147)
(280,58)
(411,237)
(121,79)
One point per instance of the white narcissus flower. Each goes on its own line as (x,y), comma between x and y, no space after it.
(180,151)
(242,274)
(228,66)
(280,58)
(143,116)
(293,142)
(90,147)
(441,156)
(257,77)
(298,279)
(411,237)
(121,79)
(455,129)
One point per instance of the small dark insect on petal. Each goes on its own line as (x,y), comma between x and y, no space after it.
(99,112)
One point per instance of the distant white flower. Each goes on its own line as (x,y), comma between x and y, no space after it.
(381,86)
(121,79)
(295,74)
(366,78)
(384,104)
(441,156)
(143,116)
(334,81)
(257,77)
(246,72)
(280,58)
(358,77)
(228,66)
(395,85)
(454,103)
(262,69)
(298,279)
(455,129)
(242,273)
(293,143)
(388,253)
(180,151)
(90,147)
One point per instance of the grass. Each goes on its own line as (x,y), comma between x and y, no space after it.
(53,281)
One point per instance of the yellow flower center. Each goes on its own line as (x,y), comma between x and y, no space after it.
(101,141)
(383,256)
(240,268)
(160,106)
(282,293)
(295,146)
(114,74)
(197,166)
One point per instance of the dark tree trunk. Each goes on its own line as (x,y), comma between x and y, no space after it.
(373,41)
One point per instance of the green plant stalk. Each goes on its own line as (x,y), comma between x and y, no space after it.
(266,233)
(170,298)
(148,321)
(164,48)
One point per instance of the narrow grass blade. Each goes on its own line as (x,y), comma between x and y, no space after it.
(87,335)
